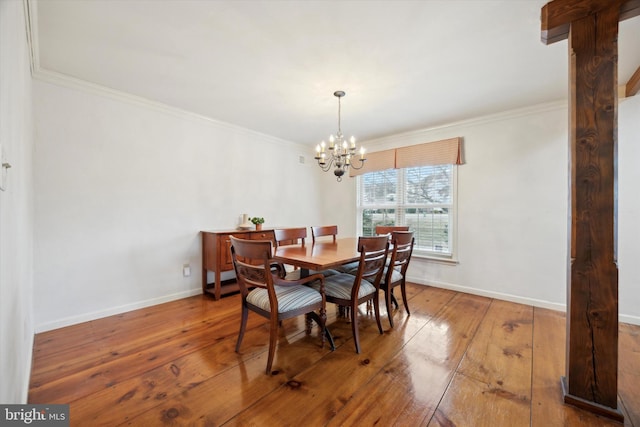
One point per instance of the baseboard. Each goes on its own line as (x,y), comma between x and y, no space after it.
(490,294)
(627,318)
(72,320)
(27,376)
(623,318)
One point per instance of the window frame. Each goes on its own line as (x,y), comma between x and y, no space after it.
(400,204)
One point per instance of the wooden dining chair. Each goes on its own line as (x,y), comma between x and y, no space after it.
(347,290)
(388,229)
(396,270)
(325,230)
(273,297)
(290,236)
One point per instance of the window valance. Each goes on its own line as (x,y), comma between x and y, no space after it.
(444,152)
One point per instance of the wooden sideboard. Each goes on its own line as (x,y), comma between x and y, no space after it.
(216,257)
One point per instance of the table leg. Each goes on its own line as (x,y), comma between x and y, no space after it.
(327,333)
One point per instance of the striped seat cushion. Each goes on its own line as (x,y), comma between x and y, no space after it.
(351,268)
(396,276)
(339,286)
(326,273)
(289,298)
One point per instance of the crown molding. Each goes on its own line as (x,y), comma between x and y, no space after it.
(59,79)
(31,28)
(64,80)
(480,120)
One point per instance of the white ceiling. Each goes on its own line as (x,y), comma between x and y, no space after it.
(272,66)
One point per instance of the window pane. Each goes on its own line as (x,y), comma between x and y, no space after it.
(379,187)
(373,217)
(430,227)
(419,197)
(429,184)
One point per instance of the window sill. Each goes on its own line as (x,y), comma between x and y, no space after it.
(434,258)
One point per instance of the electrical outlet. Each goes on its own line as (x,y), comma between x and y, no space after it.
(186,270)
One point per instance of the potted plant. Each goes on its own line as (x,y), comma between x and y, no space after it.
(257,221)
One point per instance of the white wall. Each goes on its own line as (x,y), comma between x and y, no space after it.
(123,188)
(513,207)
(16,207)
(629,209)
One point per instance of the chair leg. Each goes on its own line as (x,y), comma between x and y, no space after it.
(243,326)
(404,297)
(387,301)
(354,325)
(393,298)
(307,323)
(376,307)
(273,341)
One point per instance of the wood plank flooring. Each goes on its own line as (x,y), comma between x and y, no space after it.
(457,360)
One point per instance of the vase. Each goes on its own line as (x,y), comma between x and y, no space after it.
(258,226)
(245,224)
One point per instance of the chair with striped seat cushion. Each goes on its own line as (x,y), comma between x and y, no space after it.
(289,298)
(350,291)
(272,296)
(396,270)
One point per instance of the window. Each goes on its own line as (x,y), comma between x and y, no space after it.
(421,197)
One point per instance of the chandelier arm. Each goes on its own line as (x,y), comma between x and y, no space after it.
(361,164)
(328,165)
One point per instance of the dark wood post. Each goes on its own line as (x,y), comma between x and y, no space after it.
(591,380)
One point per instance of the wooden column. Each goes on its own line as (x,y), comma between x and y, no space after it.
(591,380)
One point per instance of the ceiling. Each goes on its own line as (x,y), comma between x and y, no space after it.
(272,66)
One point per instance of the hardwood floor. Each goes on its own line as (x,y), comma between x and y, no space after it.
(458,360)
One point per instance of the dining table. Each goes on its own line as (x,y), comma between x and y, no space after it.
(320,255)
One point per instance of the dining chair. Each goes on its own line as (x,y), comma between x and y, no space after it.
(396,270)
(272,297)
(325,230)
(290,236)
(347,290)
(388,229)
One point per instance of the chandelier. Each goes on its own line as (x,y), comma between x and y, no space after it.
(340,154)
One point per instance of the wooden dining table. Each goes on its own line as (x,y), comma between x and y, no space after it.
(320,255)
